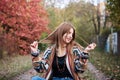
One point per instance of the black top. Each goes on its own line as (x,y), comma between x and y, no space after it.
(59,67)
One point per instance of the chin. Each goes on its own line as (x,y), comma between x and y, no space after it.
(68,42)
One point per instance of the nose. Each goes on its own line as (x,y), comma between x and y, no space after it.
(70,35)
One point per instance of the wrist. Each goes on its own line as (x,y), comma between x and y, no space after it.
(35,53)
(85,51)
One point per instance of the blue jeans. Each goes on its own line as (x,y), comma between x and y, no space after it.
(37,78)
(54,78)
(65,78)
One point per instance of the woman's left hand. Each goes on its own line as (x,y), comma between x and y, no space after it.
(90,47)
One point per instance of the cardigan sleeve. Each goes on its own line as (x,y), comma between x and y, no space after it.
(41,65)
(80,60)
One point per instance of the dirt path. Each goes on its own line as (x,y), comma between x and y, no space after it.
(96,73)
(26,75)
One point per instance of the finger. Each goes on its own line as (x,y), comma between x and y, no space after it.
(34,44)
(94,44)
(32,48)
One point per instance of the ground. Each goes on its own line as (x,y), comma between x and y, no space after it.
(96,73)
(26,75)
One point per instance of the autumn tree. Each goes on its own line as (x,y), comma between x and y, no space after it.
(23,21)
(80,13)
(113,6)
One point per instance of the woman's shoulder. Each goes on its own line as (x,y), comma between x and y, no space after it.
(50,47)
(48,51)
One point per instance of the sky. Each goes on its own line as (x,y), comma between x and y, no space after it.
(95,1)
(63,3)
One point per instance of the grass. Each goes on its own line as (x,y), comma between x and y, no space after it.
(87,76)
(12,66)
(108,63)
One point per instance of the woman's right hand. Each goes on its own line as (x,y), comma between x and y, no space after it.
(35,52)
(34,47)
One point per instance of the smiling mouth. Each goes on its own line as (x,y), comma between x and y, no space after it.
(68,39)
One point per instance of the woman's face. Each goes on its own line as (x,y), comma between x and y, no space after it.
(68,36)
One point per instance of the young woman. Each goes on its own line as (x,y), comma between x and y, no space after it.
(64,59)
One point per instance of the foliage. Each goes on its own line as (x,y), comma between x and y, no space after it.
(80,15)
(107,63)
(56,16)
(42,46)
(106,31)
(113,6)
(116,29)
(103,37)
(23,22)
(12,66)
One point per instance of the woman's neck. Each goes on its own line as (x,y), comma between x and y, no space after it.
(64,45)
(61,51)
